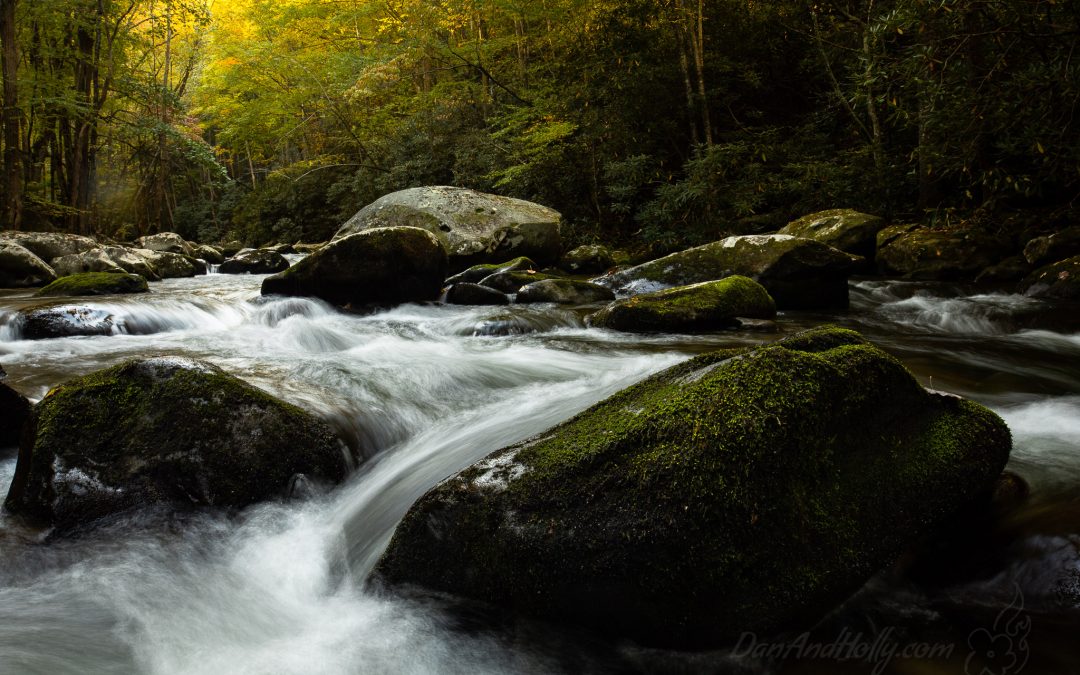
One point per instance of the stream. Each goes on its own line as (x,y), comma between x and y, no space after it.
(422,391)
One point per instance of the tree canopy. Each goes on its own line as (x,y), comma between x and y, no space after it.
(658,122)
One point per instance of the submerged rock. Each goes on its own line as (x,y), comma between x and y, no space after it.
(164,431)
(475,294)
(1060,280)
(19,268)
(843,229)
(44,323)
(380,266)
(744,490)
(710,305)
(564,292)
(475,227)
(588,259)
(798,273)
(478,273)
(259,261)
(95,283)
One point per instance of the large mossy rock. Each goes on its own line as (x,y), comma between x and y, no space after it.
(20,268)
(164,431)
(208,253)
(474,226)
(744,490)
(1059,281)
(844,229)
(587,259)
(257,261)
(382,266)
(95,283)
(938,255)
(798,273)
(710,305)
(49,245)
(564,292)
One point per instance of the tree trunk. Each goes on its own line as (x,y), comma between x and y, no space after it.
(684,64)
(698,42)
(12,118)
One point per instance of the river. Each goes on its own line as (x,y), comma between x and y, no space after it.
(422,391)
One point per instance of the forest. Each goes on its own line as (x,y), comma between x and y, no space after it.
(653,124)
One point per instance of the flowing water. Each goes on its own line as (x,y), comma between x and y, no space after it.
(422,391)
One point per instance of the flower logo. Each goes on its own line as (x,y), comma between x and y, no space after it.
(1002,650)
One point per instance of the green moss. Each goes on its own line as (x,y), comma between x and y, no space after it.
(742,490)
(95,283)
(700,307)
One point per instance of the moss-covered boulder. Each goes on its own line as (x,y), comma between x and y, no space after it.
(1060,281)
(938,255)
(474,294)
(95,283)
(257,261)
(381,266)
(798,273)
(14,411)
(478,273)
(710,305)
(208,253)
(1042,251)
(49,245)
(587,259)
(105,259)
(44,323)
(744,490)
(511,282)
(564,292)
(164,431)
(844,229)
(19,268)
(475,227)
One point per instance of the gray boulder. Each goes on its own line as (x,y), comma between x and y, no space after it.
(49,245)
(44,323)
(165,242)
(475,227)
(744,490)
(164,431)
(208,253)
(564,292)
(171,265)
(798,273)
(19,268)
(379,266)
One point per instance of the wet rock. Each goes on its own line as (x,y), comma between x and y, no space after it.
(14,411)
(1060,281)
(171,265)
(94,260)
(208,253)
(564,292)
(588,259)
(940,255)
(710,305)
(44,323)
(478,273)
(745,490)
(95,283)
(798,273)
(164,431)
(843,229)
(259,261)
(165,242)
(1008,270)
(19,268)
(475,294)
(474,227)
(231,248)
(308,248)
(511,282)
(49,245)
(1042,251)
(380,266)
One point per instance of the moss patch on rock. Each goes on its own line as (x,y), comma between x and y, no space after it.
(478,273)
(164,431)
(95,283)
(711,305)
(744,490)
